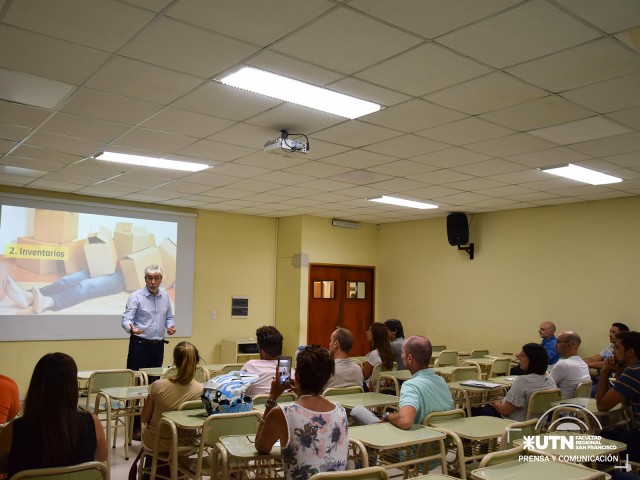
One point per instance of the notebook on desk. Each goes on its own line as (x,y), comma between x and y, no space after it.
(480,384)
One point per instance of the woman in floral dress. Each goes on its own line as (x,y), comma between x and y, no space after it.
(312,431)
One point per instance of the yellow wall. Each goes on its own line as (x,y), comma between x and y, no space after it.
(575,265)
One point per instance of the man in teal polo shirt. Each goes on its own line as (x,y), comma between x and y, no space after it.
(424,393)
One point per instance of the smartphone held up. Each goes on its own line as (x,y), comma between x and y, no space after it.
(284,370)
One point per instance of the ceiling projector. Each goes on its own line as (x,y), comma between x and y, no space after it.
(284,145)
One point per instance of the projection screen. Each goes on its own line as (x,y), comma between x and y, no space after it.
(66,269)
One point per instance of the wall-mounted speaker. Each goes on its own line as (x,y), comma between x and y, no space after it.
(457,229)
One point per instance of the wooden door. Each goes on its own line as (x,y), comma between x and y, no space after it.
(340,296)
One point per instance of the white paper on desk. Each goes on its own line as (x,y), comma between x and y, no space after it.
(480,384)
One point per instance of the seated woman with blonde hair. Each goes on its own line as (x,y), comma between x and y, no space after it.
(169,393)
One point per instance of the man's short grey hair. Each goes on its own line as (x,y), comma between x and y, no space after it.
(151,269)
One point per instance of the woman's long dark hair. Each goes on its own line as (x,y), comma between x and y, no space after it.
(380,340)
(52,406)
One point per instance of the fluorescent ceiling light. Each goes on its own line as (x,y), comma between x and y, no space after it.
(150,162)
(581,174)
(402,202)
(300,93)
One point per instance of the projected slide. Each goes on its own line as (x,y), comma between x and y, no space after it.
(67,274)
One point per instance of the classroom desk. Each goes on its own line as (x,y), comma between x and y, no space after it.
(216,368)
(366,399)
(535,471)
(120,403)
(480,433)
(392,446)
(191,419)
(400,375)
(605,446)
(240,458)
(476,396)
(155,371)
(445,372)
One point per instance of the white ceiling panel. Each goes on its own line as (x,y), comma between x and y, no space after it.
(462,85)
(523,33)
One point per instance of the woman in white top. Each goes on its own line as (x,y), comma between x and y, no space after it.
(312,431)
(378,335)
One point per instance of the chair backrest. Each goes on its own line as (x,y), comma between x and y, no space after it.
(377,370)
(328,392)
(221,424)
(100,379)
(386,383)
(191,405)
(478,353)
(369,473)
(446,358)
(285,397)
(82,471)
(231,367)
(500,366)
(583,389)
(470,372)
(541,401)
(516,431)
(437,417)
(438,348)
(501,456)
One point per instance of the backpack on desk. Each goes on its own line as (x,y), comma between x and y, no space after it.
(227,393)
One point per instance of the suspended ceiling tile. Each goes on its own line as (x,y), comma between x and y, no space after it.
(33,91)
(585,64)
(144,139)
(361,177)
(13,133)
(318,169)
(109,107)
(218,100)
(539,113)
(23,115)
(187,49)
(260,23)
(46,155)
(433,17)
(545,158)
(528,31)
(485,94)
(131,78)
(510,145)
(345,41)
(468,130)
(247,135)
(87,128)
(6,146)
(443,176)
(358,159)
(495,166)
(604,97)
(413,115)
(580,131)
(629,142)
(407,146)
(402,168)
(451,157)
(295,118)
(64,144)
(609,15)
(186,123)
(413,72)
(629,117)
(104,25)
(356,134)
(366,91)
(217,151)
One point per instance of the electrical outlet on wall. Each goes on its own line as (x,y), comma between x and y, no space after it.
(214,314)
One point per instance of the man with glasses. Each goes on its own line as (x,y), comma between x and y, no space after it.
(146,318)
(570,369)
